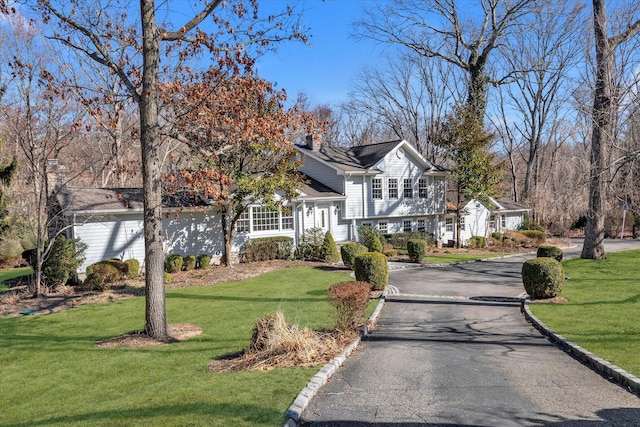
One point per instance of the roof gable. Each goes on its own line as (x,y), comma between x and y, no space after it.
(363,158)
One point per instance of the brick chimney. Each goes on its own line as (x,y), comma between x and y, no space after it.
(314,141)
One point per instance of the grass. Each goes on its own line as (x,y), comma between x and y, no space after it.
(12,274)
(52,374)
(603,307)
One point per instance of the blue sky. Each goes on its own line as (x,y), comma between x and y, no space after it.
(323,70)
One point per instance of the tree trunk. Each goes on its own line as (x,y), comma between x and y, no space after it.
(226,238)
(477,90)
(603,112)
(155,310)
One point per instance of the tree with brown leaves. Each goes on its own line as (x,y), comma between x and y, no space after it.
(239,134)
(100,30)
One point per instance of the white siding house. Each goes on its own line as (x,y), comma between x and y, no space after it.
(481,218)
(387,185)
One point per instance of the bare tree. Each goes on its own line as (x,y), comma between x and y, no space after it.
(409,96)
(95,29)
(605,104)
(40,121)
(464,36)
(549,48)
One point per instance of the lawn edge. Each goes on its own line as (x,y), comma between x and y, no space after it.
(299,404)
(606,369)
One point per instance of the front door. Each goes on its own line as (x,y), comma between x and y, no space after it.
(322,217)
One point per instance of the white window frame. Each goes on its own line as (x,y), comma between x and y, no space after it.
(407,188)
(286,221)
(383,226)
(422,225)
(462,223)
(393,188)
(448,225)
(406,229)
(423,188)
(376,188)
(243,224)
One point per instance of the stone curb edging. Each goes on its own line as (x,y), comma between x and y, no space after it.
(607,370)
(318,380)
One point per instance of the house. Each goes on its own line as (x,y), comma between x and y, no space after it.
(110,221)
(481,218)
(387,185)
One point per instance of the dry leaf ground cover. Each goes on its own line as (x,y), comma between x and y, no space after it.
(52,372)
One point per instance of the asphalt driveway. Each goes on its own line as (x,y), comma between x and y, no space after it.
(451,348)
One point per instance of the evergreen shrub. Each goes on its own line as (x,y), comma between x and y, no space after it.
(102,274)
(65,257)
(349,251)
(267,248)
(550,252)
(310,246)
(542,277)
(10,248)
(203,261)
(477,242)
(189,262)
(372,267)
(416,248)
(133,267)
(497,236)
(329,249)
(399,240)
(173,263)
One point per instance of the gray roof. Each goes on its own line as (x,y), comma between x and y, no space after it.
(78,199)
(312,189)
(510,205)
(352,159)
(91,199)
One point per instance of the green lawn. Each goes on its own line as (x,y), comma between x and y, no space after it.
(52,374)
(12,274)
(602,313)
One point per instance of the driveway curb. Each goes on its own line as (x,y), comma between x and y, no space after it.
(318,380)
(608,370)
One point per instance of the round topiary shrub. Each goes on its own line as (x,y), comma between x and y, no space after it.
(372,267)
(549,252)
(416,248)
(189,262)
(349,251)
(542,277)
(203,261)
(133,267)
(173,263)
(102,274)
(120,265)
